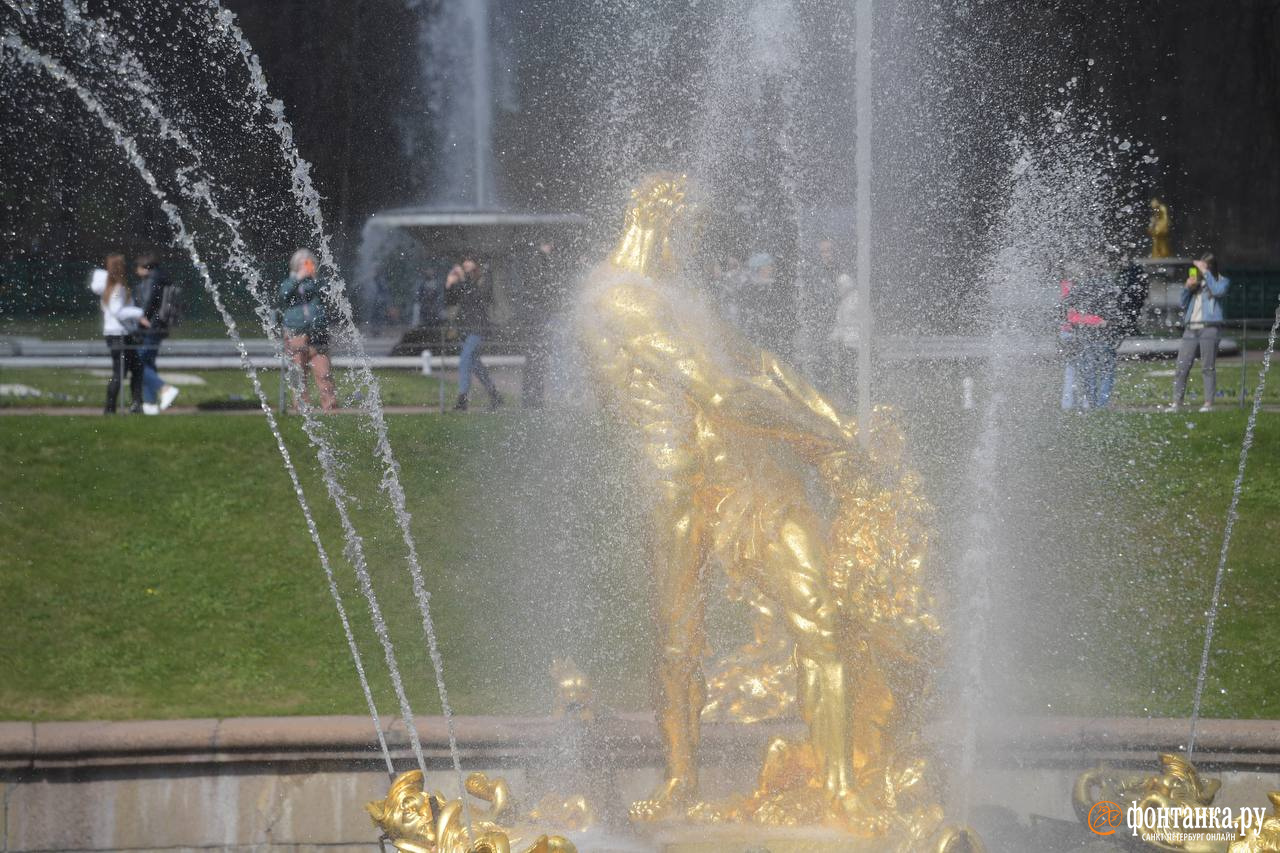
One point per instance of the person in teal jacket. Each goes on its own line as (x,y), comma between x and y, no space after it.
(306,326)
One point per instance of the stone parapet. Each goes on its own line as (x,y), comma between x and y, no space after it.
(300,783)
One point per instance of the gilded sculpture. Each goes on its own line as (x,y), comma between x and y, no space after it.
(574,699)
(731,435)
(1264,838)
(1178,787)
(416,821)
(1158,230)
(1178,784)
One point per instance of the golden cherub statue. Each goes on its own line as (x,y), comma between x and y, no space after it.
(730,434)
(1158,230)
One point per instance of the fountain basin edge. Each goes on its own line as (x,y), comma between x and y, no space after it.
(301,782)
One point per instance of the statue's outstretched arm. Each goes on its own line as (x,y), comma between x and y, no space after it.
(772,401)
(785,382)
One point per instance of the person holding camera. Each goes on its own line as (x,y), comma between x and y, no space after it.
(306,326)
(1202,329)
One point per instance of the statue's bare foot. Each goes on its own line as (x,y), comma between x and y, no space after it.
(671,800)
(859,815)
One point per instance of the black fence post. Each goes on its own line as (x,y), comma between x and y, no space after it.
(1244,358)
(284,380)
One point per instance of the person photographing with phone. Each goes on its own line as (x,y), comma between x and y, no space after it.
(1202,328)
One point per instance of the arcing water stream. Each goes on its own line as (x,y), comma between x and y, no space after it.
(987,539)
(195,184)
(50,66)
(1233,513)
(371,403)
(128,69)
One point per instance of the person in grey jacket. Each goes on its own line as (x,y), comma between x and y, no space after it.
(306,326)
(1202,329)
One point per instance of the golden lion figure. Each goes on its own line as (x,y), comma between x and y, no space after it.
(730,434)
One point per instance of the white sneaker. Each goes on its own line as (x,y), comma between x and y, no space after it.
(1173,408)
(167,395)
(1206,408)
(150,409)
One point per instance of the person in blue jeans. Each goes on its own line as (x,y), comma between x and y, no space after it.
(468,288)
(1078,337)
(1202,329)
(157,395)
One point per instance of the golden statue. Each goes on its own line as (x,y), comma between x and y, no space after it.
(574,698)
(416,821)
(1264,838)
(1158,230)
(1177,787)
(730,435)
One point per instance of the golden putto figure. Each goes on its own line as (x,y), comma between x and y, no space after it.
(730,435)
(1178,789)
(416,821)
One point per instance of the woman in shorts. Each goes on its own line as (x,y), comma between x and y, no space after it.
(306,326)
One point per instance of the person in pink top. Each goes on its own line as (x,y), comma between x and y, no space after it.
(1076,324)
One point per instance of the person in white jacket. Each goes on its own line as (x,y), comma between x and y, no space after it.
(119,323)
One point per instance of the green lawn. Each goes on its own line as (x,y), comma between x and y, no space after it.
(160,567)
(1150,383)
(1115,567)
(66,387)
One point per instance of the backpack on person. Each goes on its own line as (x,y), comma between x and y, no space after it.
(170,313)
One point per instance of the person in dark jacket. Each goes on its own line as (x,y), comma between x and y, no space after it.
(153,284)
(471,293)
(306,326)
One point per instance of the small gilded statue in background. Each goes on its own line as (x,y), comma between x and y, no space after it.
(574,699)
(730,435)
(1158,230)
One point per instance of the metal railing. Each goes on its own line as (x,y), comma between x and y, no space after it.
(1243,324)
